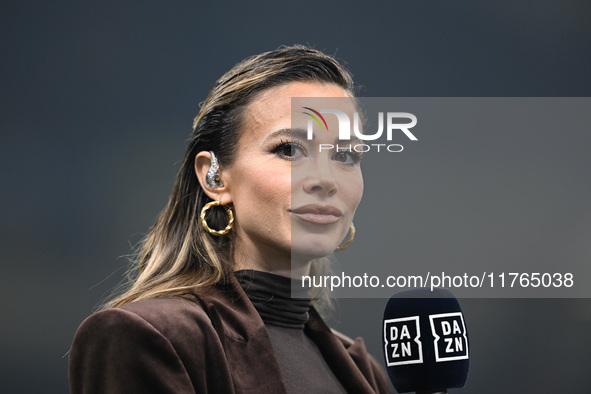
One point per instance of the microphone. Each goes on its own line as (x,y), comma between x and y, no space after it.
(426,344)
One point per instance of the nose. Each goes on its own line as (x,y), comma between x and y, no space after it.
(321,178)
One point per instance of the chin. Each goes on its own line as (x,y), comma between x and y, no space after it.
(314,249)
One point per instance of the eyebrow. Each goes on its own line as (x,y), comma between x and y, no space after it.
(353,141)
(297,133)
(303,134)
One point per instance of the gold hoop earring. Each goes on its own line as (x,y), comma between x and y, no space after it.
(349,241)
(216,232)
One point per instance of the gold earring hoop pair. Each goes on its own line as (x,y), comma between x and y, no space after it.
(209,229)
(349,240)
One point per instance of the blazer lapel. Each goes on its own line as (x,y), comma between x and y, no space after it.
(339,358)
(249,352)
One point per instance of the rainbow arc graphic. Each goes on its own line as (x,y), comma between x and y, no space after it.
(315,118)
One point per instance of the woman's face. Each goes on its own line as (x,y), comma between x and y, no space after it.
(291,201)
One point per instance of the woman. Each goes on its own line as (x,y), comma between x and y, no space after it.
(254,204)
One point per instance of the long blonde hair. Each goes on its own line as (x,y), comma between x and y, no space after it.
(177,255)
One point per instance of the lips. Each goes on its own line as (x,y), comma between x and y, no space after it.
(319,214)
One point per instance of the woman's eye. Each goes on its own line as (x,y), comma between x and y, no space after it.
(347,157)
(289,150)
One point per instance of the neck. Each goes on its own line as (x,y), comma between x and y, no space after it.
(267,259)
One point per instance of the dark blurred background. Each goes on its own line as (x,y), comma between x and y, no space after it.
(97,102)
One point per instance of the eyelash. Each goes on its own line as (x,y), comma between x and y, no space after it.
(282,144)
(276,149)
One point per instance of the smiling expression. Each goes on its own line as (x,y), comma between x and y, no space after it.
(292,203)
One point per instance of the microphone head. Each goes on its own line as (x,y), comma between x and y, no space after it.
(426,344)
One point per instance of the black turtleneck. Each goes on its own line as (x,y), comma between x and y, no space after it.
(271,295)
(302,366)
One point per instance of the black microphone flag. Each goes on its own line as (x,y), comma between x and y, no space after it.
(426,344)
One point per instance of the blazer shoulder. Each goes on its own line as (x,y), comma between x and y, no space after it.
(118,351)
(170,314)
(181,320)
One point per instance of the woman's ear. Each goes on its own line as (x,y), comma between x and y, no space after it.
(214,181)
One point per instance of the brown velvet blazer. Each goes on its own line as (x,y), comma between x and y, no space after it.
(212,341)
